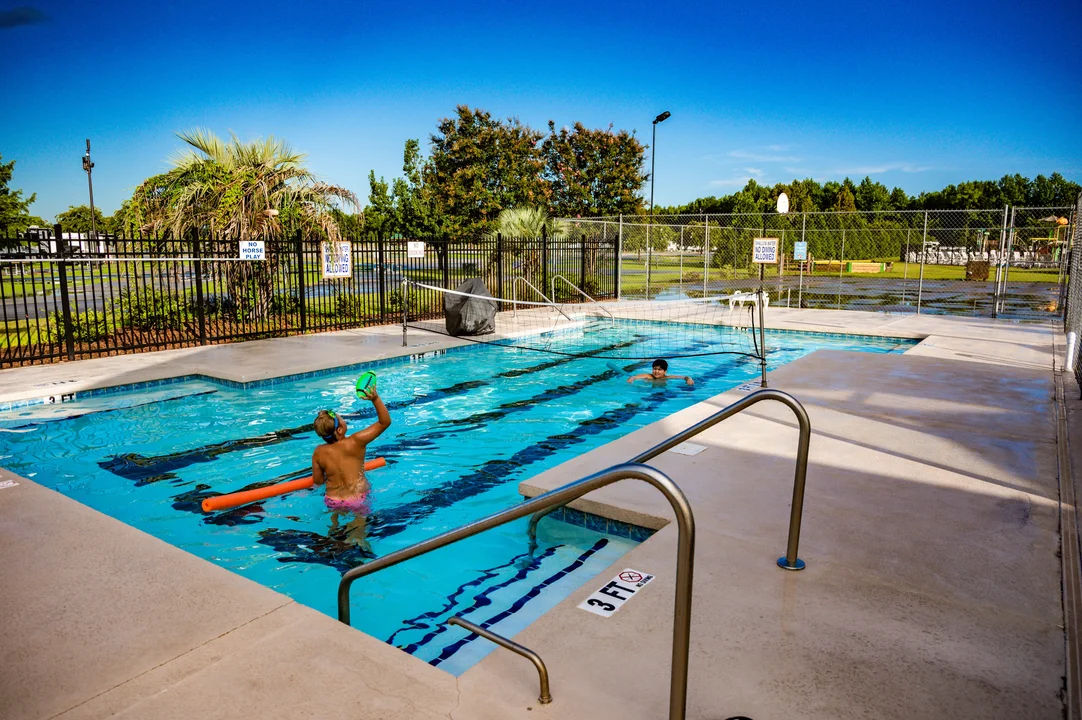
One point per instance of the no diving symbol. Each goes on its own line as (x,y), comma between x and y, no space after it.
(631,577)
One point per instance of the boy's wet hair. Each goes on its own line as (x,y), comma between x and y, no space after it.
(659,363)
(324,424)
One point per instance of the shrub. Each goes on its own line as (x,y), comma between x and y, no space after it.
(284,304)
(349,306)
(151,309)
(86,327)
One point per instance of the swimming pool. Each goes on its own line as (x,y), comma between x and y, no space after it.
(469,425)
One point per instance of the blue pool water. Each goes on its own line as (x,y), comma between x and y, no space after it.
(469,425)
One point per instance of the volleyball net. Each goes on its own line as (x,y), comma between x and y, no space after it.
(637,330)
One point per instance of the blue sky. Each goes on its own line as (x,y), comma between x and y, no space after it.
(916,94)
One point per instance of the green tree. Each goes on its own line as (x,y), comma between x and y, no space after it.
(240,191)
(872,196)
(258,189)
(844,200)
(15,214)
(76,219)
(593,172)
(413,211)
(480,166)
(379,215)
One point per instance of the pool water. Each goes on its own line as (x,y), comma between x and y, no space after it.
(468,426)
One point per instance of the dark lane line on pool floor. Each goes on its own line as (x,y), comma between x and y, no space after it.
(148,469)
(314,548)
(190,500)
(419,622)
(530,594)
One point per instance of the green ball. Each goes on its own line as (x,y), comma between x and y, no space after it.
(365,381)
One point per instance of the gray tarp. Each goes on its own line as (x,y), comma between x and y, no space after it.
(470,315)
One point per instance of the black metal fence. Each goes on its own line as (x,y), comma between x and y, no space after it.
(65,298)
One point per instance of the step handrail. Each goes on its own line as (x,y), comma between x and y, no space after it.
(514,297)
(685,556)
(583,293)
(545,697)
(790,561)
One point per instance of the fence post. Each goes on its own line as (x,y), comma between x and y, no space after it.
(65,299)
(803,239)
(841,269)
(499,265)
(1007,259)
(923,253)
(200,310)
(706,253)
(300,280)
(446,264)
(382,279)
(544,257)
(620,257)
(582,264)
(999,263)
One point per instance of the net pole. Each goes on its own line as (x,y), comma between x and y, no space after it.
(405,305)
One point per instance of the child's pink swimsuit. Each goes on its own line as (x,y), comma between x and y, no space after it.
(357,505)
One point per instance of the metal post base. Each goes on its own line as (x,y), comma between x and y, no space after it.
(784,564)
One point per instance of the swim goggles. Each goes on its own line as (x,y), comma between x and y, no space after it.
(330,437)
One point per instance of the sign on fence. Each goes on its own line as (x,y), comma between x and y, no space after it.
(765,251)
(800,250)
(252,250)
(415,249)
(337,260)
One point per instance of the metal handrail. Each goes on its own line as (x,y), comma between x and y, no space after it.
(545,697)
(514,297)
(685,554)
(789,561)
(583,293)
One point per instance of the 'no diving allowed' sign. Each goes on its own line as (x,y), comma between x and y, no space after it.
(618,591)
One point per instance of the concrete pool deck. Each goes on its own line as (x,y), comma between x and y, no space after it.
(931,533)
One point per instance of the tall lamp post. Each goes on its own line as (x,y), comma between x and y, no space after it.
(653,153)
(88,166)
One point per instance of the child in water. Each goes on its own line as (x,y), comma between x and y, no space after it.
(658,374)
(340,463)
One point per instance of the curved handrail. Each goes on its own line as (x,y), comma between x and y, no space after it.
(790,561)
(514,297)
(545,696)
(583,293)
(685,555)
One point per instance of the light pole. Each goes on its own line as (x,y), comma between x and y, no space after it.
(649,228)
(88,166)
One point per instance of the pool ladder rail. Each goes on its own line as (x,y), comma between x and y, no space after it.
(789,561)
(515,301)
(545,697)
(582,292)
(685,555)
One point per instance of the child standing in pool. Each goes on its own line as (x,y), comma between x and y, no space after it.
(340,463)
(659,374)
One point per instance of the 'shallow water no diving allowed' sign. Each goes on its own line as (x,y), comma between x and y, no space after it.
(337,260)
(765,251)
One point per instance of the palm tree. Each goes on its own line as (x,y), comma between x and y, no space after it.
(258,190)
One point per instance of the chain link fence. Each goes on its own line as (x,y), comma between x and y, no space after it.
(1009,263)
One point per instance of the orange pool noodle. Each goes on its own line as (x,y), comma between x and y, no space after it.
(224,502)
